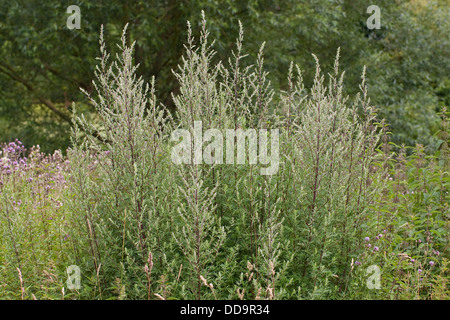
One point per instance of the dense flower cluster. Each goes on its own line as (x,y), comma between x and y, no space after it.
(31,176)
(37,166)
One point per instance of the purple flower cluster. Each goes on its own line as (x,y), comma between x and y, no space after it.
(377,237)
(31,173)
(11,158)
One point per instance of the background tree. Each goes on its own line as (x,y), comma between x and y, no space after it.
(43,63)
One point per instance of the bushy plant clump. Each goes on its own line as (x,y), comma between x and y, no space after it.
(141,226)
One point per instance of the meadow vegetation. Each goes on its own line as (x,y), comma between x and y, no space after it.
(141,227)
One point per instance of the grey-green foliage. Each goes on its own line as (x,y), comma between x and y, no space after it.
(331,155)
(152,226)
(201,234)
(227,96)
(122,192)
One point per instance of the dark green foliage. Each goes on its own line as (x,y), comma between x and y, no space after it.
(44,64)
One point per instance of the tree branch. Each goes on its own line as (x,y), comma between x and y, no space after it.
(10,72)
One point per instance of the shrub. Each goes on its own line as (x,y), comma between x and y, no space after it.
(141,225)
